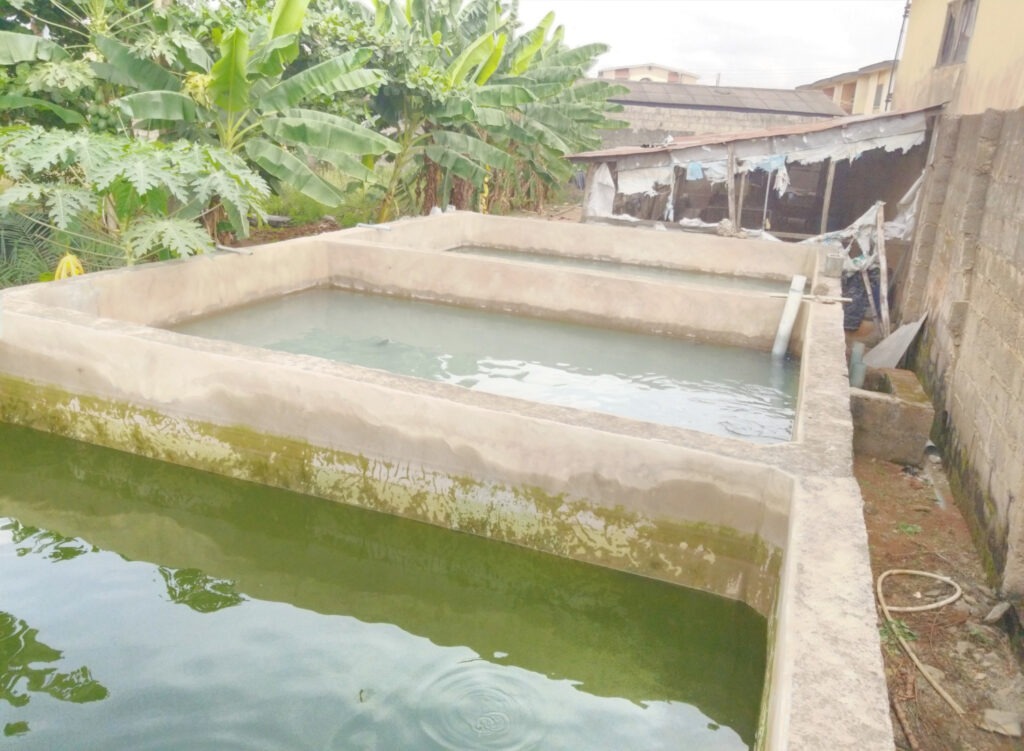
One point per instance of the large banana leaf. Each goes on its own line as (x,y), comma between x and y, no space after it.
(126,68)
(326,131)
(346,164)
(343,73)
(473,149)
(292,171)
(490,65)
(456,163)
(287,17)
(158,105)
(270,56)
(21,102)
(21,48)
(577,55)
(285,23)
(530,45)
(476,52)
(230,87)
(502,95)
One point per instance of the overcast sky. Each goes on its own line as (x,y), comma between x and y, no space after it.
(770,43)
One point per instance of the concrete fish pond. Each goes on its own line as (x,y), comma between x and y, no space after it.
(774,524)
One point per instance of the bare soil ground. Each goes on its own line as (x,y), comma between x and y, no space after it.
(913,523)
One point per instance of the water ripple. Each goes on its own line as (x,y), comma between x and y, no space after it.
(480,705)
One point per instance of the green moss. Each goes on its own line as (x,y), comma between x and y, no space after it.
(698,555)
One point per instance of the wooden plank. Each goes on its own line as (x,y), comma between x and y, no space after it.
(740,201)
(827,199)
(730,183)
(883,271)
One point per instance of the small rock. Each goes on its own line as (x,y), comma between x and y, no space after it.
(962,647)
(996,614)
(969,600)
(933,672)
(1002,722)
(987,591)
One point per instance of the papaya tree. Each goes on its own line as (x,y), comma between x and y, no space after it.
(113,200)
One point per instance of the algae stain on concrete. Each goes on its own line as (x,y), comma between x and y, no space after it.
(700,556)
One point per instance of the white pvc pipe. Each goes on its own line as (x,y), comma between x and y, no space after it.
(793,300)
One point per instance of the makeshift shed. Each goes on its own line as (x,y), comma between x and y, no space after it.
(796,181)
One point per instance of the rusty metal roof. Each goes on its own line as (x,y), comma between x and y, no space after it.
(695,96)
(680,143)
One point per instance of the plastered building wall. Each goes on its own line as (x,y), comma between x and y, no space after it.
(991,75)
(652,124)
(967,275)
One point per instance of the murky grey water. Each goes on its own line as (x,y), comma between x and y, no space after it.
(641,271)
(714,389)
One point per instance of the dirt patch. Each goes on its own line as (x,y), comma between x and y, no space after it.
(913,523)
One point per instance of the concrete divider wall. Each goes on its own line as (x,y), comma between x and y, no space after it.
(695,252)
(709,512)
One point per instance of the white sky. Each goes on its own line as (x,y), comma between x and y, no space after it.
(769,43)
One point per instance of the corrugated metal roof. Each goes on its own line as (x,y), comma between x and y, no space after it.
(786,101)
(681,143)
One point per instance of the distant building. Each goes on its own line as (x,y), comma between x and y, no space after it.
(648,72)
(858,92)
(966,53)
(656,111)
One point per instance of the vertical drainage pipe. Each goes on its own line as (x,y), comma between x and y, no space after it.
(793,300)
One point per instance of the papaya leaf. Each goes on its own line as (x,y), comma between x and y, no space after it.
(150,235)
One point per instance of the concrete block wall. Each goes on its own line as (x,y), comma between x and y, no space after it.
(652,124)
(967,274)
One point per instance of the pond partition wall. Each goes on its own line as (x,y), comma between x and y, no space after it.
(775,524)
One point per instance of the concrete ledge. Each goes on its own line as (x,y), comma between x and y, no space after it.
(83,358)
(892,416)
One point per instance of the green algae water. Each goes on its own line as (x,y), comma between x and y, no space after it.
(729,391)
(148,606)
(641,271)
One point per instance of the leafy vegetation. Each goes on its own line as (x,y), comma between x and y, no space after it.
(114,200)
(132,127)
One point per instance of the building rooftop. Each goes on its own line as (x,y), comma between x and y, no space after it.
(848,76)
(693,96)
(845,129)
(649,65)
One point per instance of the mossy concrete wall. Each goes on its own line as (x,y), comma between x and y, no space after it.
(85,358)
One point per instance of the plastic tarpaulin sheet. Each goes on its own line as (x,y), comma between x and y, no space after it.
(602,193)
(645,179)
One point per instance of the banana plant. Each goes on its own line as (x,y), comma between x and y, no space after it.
(250,106)
(240,97)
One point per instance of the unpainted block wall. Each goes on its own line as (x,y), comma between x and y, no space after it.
(652,124)
(967,274)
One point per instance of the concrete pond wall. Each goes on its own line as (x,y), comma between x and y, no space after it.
(777,526)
